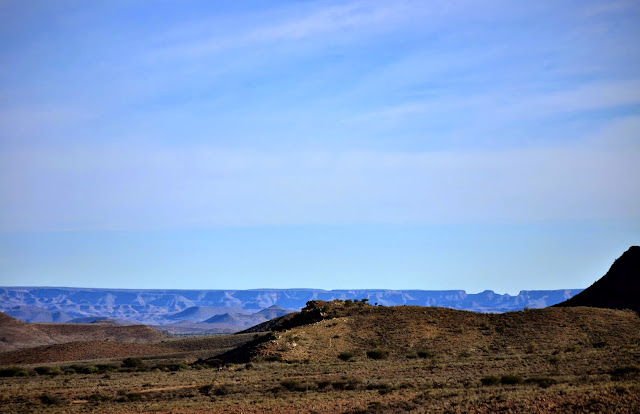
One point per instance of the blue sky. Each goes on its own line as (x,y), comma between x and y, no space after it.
(327,144)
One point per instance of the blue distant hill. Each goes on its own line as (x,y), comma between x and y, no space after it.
(163,307)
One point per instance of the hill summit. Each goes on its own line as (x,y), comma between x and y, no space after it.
(618,289)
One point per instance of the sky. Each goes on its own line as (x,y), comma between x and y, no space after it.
(318,144)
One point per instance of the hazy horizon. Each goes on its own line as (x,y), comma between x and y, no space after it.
(318,144)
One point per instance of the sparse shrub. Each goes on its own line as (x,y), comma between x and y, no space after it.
(511,379)
(348,302)
(134,396)
(221,390)
(425,354)
(91,369)
(345,356)
(97,397)
(47,370)
(14,372)
(323,384)
(107,367)
(619,389)
(572,348)
(555,360)
(48,399)
(600,344)
(381,386)
(626,371)
(293,385)
(490,380)
(346,383)
(532,348)
(180,366)
(543,382)
(248,365)
(133,363)
(378,354)
(206,389)
(464,354)
(170,367)
(273,358)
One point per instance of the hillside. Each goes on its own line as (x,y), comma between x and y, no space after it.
(323,330)
(619,288)
(15,334)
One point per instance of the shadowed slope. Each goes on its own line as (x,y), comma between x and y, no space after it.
(618,289)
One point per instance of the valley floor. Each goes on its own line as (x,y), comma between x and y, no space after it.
(593,380)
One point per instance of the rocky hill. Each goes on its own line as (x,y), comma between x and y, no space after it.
(325,330)
(619,288)
(15,334)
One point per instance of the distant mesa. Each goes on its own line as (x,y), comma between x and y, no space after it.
(202,313)
(618,289)
(101,320)
(36,314)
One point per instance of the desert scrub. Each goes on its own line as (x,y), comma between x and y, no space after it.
(628,371)
(48,399)
(136,363)
(509,379)
(346,383)
(210,389)
(542,382)
(47,370)
(378,354)
(345,356)
(293,385)
(572,348)
(97,397)
(14,372)
(490,380)
(424,354)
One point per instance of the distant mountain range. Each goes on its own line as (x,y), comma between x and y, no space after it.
(210,311)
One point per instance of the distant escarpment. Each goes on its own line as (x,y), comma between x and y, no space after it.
(196,308)
(618,289)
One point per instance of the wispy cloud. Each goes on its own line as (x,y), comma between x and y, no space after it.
(150,188)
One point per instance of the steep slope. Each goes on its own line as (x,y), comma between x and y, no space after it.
(618,289)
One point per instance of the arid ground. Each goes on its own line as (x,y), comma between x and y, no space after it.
(350,357)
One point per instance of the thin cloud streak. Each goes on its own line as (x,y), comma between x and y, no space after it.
(137,189)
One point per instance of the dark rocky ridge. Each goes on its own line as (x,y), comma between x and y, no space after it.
(618,289)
